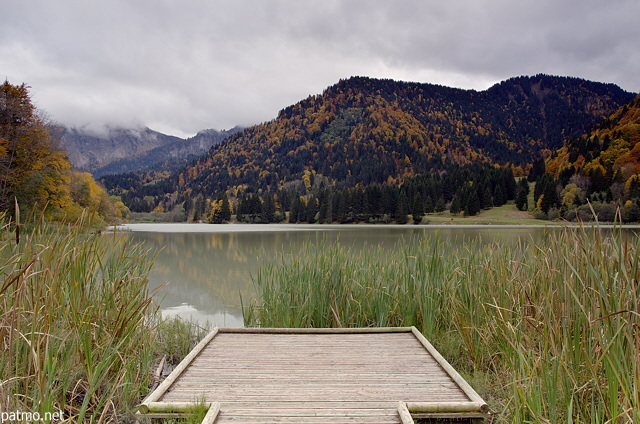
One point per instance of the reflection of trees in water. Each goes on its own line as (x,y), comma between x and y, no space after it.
(200,268)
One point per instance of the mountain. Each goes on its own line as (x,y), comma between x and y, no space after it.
(611,150)
(120,150)
(364,130)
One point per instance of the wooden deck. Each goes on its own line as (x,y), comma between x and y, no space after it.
(254,376)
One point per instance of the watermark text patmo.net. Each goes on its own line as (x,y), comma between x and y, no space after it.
(30,417)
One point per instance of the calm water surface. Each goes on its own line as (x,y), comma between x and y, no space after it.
(202,271)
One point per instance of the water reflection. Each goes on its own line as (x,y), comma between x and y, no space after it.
(203,271)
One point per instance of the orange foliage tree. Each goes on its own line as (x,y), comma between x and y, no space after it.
(33,170)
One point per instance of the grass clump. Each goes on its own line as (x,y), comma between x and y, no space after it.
(548,331)
(76,322)
(175,337)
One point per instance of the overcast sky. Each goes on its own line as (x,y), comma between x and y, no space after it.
(184,65)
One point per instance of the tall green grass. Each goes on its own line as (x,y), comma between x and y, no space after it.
(75,320)
(547,332)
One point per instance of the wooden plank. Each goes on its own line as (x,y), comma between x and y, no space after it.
(302,385)
(441,407)
(324,357)
(384,375)
(158,415)
(224,418)
(286,352)
(321,394)
(355,330)
(302,398)
(461,382)
(279,381)
(177,410)
(276,398)
(310,368)
(403,413)
(212,413)
(333,360)
(171,378)
(179,407)
(304,411)
(453,415)
(311,404)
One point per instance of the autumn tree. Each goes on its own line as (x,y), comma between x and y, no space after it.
(88,194)
(32,169)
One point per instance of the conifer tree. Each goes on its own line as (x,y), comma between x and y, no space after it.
(440,205)
(549,198)
(296,210)
(225,208)
(498,197)
(456,206)
(472,203)
(537,170)
(343,207)
(487,199)
(541,186)
(323,205)
(268,209)
(312,210)
(401,212)
(329,199)
(508,185)
(428,205)
(418,209)
(198,210)
(521,195)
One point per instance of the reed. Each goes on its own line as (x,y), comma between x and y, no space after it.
(75,321)
(546,331)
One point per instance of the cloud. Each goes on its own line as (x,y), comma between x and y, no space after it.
(183,66)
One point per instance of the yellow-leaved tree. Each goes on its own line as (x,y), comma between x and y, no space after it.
(34,170)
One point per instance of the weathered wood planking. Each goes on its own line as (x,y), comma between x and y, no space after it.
(319,376)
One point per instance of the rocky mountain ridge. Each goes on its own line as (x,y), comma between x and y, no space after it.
(119,150)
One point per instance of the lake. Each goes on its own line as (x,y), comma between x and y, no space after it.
(202,271)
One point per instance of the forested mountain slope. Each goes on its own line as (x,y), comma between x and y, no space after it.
(365,130)
(610,153)
(596,173)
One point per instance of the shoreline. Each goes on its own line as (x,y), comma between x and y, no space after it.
(240,228)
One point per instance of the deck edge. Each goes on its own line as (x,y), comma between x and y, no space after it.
(474,397)
(353,330)
(177,371)
(404,414)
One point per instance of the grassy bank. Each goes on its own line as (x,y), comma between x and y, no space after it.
(78,331)
(502,215)
(546,332)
